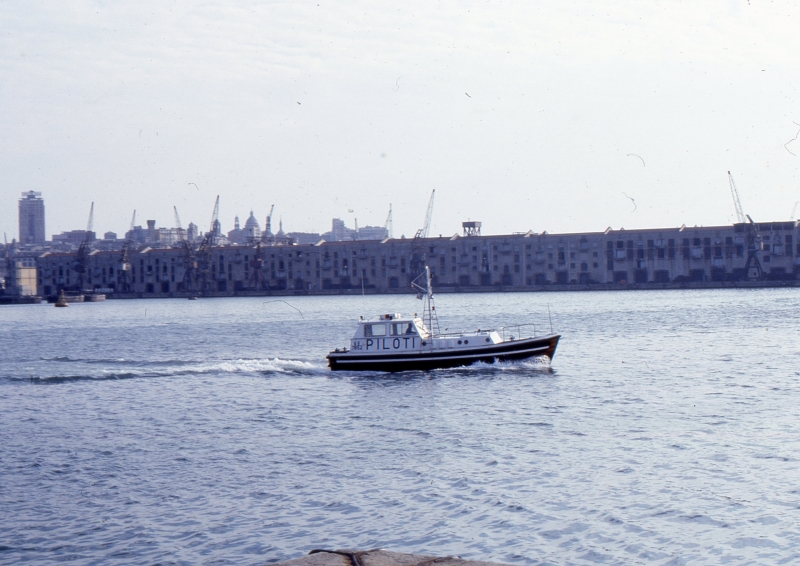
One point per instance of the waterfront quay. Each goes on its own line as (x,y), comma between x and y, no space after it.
(760,254)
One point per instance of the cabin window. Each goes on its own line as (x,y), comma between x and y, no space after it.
(374,330)
(402,328)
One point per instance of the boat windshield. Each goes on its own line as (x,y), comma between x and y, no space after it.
(376,329)
(402,328)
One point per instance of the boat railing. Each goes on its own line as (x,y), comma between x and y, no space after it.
(514,331)
(463,333)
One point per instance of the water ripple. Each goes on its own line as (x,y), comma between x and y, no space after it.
(654,437)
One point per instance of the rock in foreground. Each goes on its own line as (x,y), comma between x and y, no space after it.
(377,557)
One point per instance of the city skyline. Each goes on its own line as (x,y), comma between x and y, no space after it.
(521,116)
(32,219)
(338,226)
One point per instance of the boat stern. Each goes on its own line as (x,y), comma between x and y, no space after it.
(333,359)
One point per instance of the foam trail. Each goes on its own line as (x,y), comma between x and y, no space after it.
(118,369)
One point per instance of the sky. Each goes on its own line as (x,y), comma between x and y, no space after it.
(556,116)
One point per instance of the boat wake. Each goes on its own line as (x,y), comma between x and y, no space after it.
(540,364)
(537,365)
(120,369)
(46,371)
(480,370)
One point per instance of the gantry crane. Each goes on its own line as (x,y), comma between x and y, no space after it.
(124,277)
(423,232)
(268,227)
(417,261)
(753,240)
(197,275)
(388,225)
(257,281)
(178,227)
(189,259)
(81,266)
(737,204)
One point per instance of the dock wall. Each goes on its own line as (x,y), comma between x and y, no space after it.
(766,254)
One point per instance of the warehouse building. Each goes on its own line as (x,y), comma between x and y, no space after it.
(649,258)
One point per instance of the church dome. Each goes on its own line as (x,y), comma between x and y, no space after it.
(251,222)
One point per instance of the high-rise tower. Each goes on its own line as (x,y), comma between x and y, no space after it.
(31,218)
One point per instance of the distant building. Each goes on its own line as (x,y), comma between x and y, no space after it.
(252,229)
(21,281)
(156,237)
(169,236)
(74,237)
(236,236)
(217,237)
(372,233)
(304,237)
(341,233)
(281,238)
(250,233)
(471,228)
(138,235)
(192,232)
(110,236)
(31,218)
(761,254)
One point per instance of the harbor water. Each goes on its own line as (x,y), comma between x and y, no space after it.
(665,431)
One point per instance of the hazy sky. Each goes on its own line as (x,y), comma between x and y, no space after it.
(524,115)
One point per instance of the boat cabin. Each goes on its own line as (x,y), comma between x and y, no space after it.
(393,332)
(392,325)
(389,332)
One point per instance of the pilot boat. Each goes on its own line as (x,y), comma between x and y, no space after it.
(394,343)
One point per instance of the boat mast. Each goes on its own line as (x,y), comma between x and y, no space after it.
(428,308)
(428,297)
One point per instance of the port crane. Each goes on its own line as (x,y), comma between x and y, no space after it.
(737,204)
(197,261)
(124,277)
(189,259)
(388,225)
(753,240)
(178,227)
(423,232)
(216,230)
(256,265)
(268,227)
(81,265)
(205,262)
(417,263)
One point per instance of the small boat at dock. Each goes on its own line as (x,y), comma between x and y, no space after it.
(395,343)
(66,298)
(62,300)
